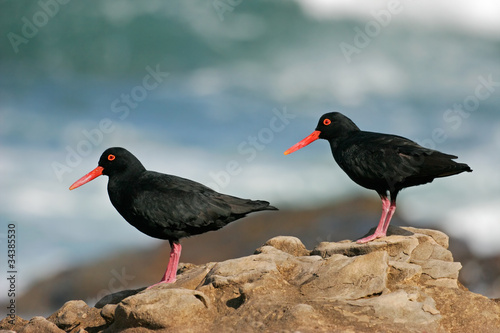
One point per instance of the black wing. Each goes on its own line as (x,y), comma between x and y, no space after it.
(171,207)
(390,162)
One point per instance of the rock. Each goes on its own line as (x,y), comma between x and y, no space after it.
(437,269)
(429,250)
(70,315)
(401,272)
(241,270)
(406,282)
(108,312)
(14,324)
(288,244)
(116,297)
(342,277)
(194,276)
(162,308)
(74,315)
(439,237)
(397,247)
(401,309)
(40,324)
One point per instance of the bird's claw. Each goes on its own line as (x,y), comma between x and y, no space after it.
(370,238)
(160,283)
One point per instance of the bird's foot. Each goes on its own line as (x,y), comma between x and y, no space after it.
(371,237)
(160,283)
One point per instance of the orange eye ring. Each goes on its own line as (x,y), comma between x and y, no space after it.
(111,157)
(327,122)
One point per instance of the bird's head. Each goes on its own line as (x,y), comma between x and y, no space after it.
(113,161)
(330,126)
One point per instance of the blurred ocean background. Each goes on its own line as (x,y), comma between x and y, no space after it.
(216,91)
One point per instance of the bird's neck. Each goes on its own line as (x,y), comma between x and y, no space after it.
(121,184)
(339,140)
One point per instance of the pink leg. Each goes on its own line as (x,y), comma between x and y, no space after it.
(392,209)
(381,230)
(173,262)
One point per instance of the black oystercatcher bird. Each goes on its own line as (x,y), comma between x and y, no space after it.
(165,206)
(381,162)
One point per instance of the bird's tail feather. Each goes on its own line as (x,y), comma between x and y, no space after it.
(245,206)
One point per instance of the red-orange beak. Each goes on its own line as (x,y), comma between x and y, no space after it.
(88,177)
(311,138)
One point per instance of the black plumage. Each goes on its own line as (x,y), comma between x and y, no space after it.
(381,162)
(165,206)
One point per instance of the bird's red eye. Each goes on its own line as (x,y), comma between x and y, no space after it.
(327,122)
(111,157)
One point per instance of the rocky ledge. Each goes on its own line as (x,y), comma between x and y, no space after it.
(406,282)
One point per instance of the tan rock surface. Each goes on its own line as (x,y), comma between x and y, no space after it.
(406,282)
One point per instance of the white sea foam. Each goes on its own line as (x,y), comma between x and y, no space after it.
(479,17)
